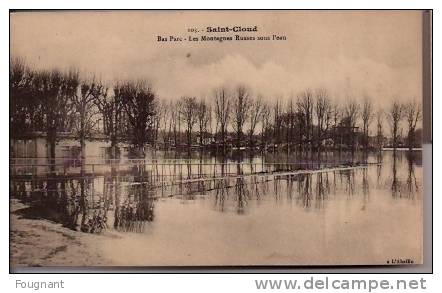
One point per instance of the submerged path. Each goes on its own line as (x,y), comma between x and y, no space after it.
(158,181)
(262,174)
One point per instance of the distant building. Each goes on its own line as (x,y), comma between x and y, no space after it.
(67,146)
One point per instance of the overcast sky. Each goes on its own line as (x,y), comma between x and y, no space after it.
(352,54)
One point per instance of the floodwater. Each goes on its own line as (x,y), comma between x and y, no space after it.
(166,210)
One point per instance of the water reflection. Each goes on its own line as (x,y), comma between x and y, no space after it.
(409,187)
(79,204)
(124,197)
(242,193)
(221,194)
(135,207)
(304,190)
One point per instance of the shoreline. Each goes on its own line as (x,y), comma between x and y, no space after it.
(43,243)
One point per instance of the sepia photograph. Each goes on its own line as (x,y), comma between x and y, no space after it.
(203,138)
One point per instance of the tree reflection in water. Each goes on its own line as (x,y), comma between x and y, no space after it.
(322,189)
(348,180)
(410,187)
(365,187)
(221,193)
(69,201)
(304,190)
(242,195)
(125,199)
(412,184)
(133,213)
(395,183)
(135,208)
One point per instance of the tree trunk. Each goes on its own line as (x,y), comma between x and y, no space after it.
(201,138)
(113,147)
(83,149)
(51,142)
(410,139)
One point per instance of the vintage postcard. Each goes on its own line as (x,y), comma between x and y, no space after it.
(215,138)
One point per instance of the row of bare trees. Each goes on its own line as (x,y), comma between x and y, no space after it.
(309,121)
(53,101)
(411,112)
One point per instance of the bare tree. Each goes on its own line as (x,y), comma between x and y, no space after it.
(305,106)
(255,114)
(337,117)
(291,124)
(379,128)
(265,122)
(166,125)
(203,116)
(323,115)
(111,108)
(54,89)
(24,109)
(395,114)
(158,118)
(222,112)
(85,111)
(138,102)
(178,132)
(188,111)
(413,114)
(165,122)
(277,122)
(173,126)
(209,127)
(241,106)
(351,114)
(367,116)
